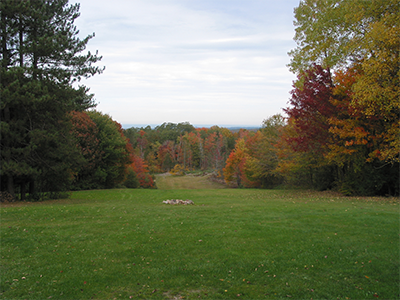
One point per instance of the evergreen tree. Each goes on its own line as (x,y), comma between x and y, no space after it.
(40,60)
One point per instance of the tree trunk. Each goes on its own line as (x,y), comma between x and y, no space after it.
(23,190)
(21,42)
(10,185)
(4,50)
(238,178)
(31,187)
(5,64)
(7,156)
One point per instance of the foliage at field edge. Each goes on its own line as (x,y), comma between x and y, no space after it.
(50,142)
(347,59)
(341,130)
(342,126)
(41,59)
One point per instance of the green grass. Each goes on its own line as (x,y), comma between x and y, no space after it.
(232,244)
(190,182)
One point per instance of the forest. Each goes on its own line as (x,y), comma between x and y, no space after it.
(340,130)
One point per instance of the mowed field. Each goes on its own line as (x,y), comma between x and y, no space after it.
(232,244)
(190,182)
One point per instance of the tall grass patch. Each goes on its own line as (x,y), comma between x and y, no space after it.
(244,244)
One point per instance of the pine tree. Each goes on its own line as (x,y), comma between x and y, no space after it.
(40,60)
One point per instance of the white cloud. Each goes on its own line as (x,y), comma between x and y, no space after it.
(206,62)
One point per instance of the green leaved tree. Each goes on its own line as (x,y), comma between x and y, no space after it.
(115,156)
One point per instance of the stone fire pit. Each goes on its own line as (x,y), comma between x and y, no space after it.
(178,201)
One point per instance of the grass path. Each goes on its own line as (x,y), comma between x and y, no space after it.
(169,182)
(232,244)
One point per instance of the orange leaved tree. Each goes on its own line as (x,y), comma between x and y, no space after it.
(234,173)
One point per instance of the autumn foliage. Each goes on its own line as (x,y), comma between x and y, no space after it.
(234,171)
(310,109)
(140,167)
(107,158)
(329,140)
(341,127)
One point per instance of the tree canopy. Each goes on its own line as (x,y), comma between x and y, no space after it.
(341,129)
(357,43)
(41,58)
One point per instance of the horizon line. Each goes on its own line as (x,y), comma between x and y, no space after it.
(128,125)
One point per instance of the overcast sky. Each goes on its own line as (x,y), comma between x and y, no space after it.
(207,62)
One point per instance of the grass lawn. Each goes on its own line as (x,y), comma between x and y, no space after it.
(232,244)
(190,182)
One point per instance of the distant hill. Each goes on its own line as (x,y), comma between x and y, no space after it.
(231,128)
(236,129)
(127,126)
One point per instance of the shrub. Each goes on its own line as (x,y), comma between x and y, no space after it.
(178,170)
(131,181)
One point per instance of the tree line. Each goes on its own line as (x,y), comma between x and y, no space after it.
(342,126)
(340,130)
(344,110)
(52,139)
(169,145)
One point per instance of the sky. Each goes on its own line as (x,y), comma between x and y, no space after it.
(206,62)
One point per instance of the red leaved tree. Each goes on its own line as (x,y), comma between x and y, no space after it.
(140,167)
(310,110)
